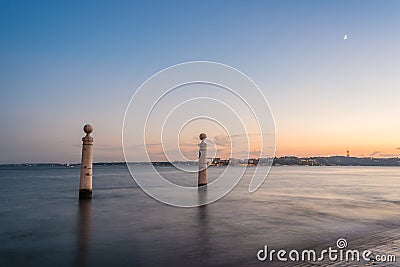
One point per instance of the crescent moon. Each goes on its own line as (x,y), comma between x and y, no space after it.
(345,37)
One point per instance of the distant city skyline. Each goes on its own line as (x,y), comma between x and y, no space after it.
(67,63)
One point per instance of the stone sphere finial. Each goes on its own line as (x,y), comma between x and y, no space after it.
(88,128)
(202,136)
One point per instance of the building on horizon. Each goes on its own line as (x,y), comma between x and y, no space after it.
(252,162)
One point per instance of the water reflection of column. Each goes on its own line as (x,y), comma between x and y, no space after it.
(204,246)
(83,232)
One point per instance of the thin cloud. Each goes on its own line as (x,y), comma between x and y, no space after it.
(250,135)
(221,140)
(375,153)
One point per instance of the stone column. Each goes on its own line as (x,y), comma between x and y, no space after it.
(85,187)
(202,176)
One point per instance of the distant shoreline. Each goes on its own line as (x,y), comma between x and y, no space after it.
(278,161)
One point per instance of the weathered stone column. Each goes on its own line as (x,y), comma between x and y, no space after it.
(202,177)
(85,187)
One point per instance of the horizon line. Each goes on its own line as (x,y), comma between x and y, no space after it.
(125,162)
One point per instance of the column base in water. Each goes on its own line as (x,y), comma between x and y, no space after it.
(85,193)
(202,181)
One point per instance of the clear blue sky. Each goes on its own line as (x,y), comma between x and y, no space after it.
(64,63)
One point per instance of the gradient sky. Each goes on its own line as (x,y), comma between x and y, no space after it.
(65,63)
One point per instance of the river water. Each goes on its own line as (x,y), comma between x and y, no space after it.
(42,222)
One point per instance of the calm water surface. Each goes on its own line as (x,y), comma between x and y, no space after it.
(42,223)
